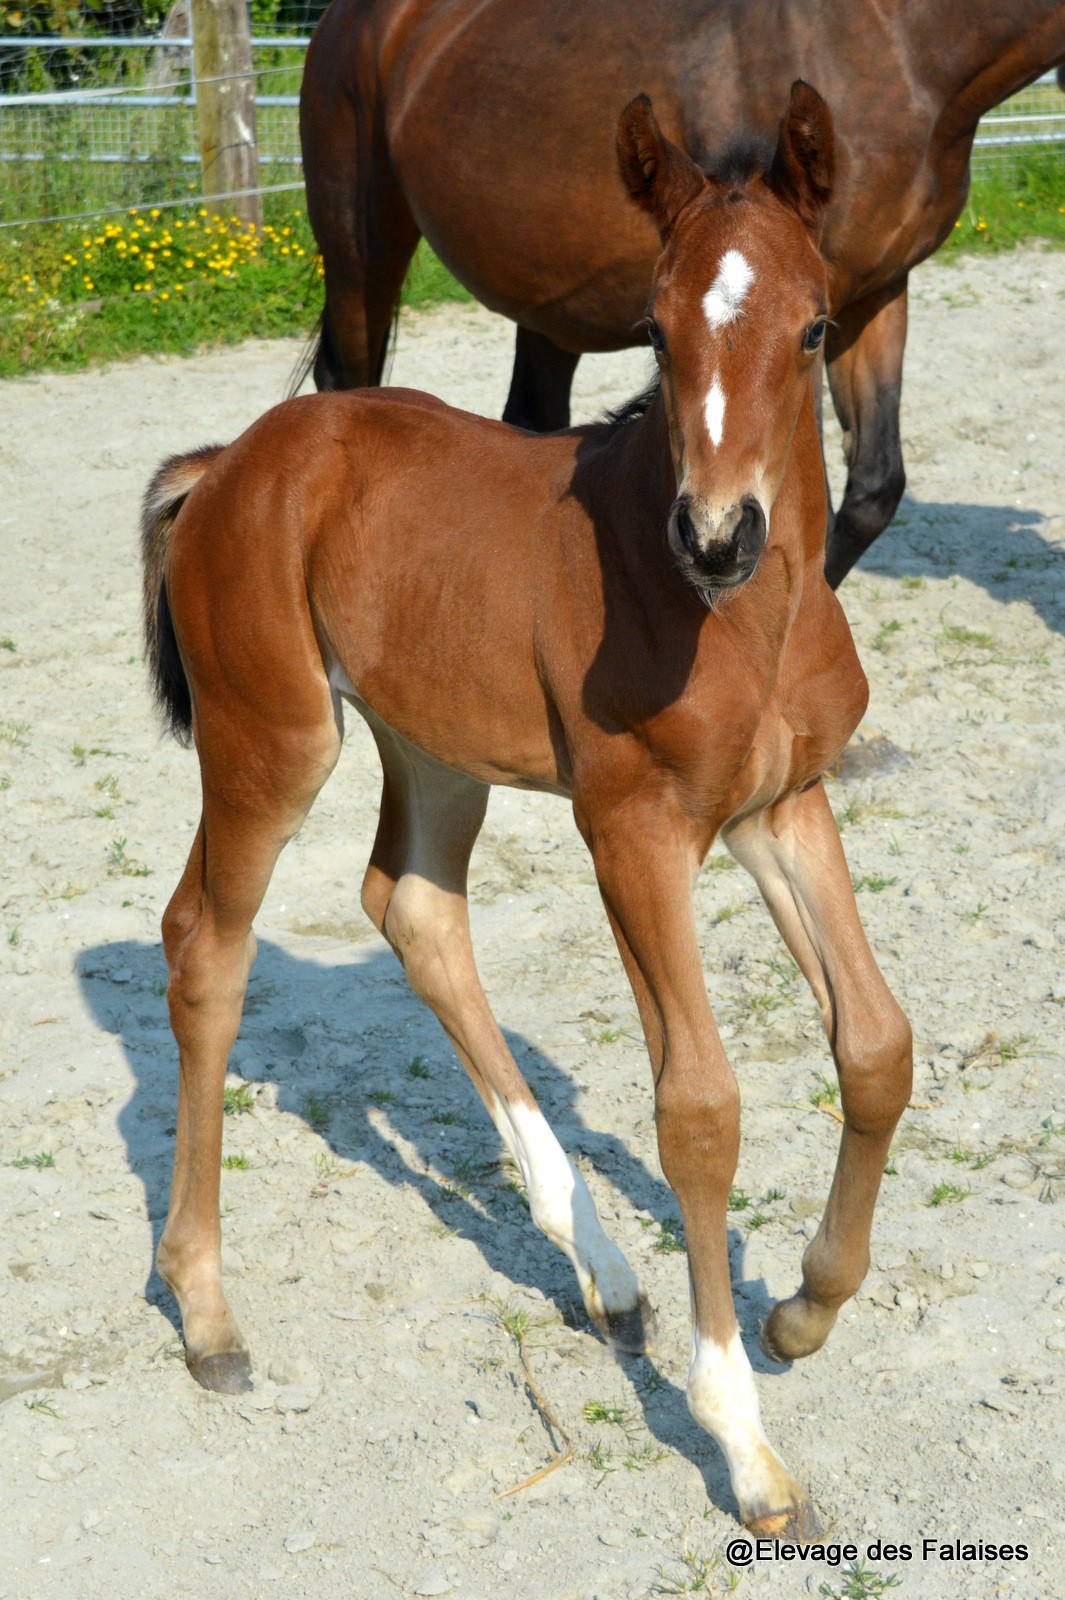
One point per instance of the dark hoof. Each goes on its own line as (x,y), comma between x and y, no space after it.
(795,1328)
(799,1523)
(228,1372)
(768,1348)
(631,1332)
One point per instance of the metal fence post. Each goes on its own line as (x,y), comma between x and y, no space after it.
(225,105)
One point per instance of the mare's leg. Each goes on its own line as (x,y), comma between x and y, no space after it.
(364,229)
(258,782)
(865,350)
(644,859)
(793,849)
(415,893)
(540,383)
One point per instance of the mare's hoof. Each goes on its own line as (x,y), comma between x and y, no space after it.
(799,1523)
(795,1328)
(631,1332)
(228,1372)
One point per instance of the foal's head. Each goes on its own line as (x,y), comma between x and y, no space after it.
(736,317)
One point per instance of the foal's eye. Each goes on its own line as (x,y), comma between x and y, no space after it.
(811,339)
(654,333)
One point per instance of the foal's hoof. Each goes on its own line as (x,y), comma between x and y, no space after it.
(799,1523)
(227,1372)
(795,1328)
(631,1332)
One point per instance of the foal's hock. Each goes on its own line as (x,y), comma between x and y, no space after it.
(632,614)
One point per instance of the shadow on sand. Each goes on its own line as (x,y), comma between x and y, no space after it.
(345,1036)
(1000,548)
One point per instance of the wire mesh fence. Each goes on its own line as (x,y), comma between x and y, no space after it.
(101,123)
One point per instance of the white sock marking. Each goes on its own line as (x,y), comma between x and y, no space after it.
(722,1397)
(723,301)
(715,411)
(564,1211)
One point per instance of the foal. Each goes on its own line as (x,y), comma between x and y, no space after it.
(632,614)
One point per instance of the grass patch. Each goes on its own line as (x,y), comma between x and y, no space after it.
(949,1194)
(236,1164)
(873,881)
(153,282)
(237,1098)
(43,1158)
(1017,200)
(669,1239)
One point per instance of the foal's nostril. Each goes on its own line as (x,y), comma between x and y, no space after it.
(685,526)
(751,530)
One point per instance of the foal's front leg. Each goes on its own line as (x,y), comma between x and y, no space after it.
(644,859)
(794,852)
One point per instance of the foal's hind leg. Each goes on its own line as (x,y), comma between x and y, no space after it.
(415,893)
(250,808)
(794,851)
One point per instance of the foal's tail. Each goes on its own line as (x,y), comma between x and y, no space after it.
(164,498)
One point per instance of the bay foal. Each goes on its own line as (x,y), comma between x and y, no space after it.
(633,614)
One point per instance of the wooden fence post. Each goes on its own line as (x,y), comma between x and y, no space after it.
(225,106)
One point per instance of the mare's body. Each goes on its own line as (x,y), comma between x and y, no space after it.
(484,126)
(634,615)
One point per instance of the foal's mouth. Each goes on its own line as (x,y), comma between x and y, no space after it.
(716,565)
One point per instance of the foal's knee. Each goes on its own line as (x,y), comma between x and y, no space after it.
(875,1068)
(698,1118)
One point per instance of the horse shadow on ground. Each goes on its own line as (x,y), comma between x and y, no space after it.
(1000,548)
(364,1011)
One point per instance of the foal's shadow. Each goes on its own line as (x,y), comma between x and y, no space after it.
(1000,548)
(363,1046)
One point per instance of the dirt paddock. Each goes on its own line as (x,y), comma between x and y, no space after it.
(378,1256)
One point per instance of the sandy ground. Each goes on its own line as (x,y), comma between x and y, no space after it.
(374,1248)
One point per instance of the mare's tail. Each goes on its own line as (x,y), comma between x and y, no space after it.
(164,498)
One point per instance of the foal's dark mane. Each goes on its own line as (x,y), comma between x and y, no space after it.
(635,408)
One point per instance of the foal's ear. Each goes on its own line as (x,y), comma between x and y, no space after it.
(802,169)
(659,176)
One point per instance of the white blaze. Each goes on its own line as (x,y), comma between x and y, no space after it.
(723,301)
(715,411)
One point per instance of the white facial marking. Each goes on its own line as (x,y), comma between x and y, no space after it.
(715,411)
(563,1209)
(723,301)
(722,1397)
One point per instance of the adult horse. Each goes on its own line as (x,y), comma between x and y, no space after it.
(633,614)
(484,126)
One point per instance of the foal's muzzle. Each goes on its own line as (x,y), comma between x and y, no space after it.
(718,552)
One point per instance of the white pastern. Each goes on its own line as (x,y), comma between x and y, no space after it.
(565,1212)
(715,411)
(723,1399)
(723,301)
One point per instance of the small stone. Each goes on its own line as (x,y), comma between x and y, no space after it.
(59,1444)
(508,1561)
(123,975)
(301,1540)
(612,1540)
(434,1583)
(1018,1176)
(90,1520)
(979,1269)
(1055,1342)
(906,1300)
(296,1397)
(295,1370)
(76,1380)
